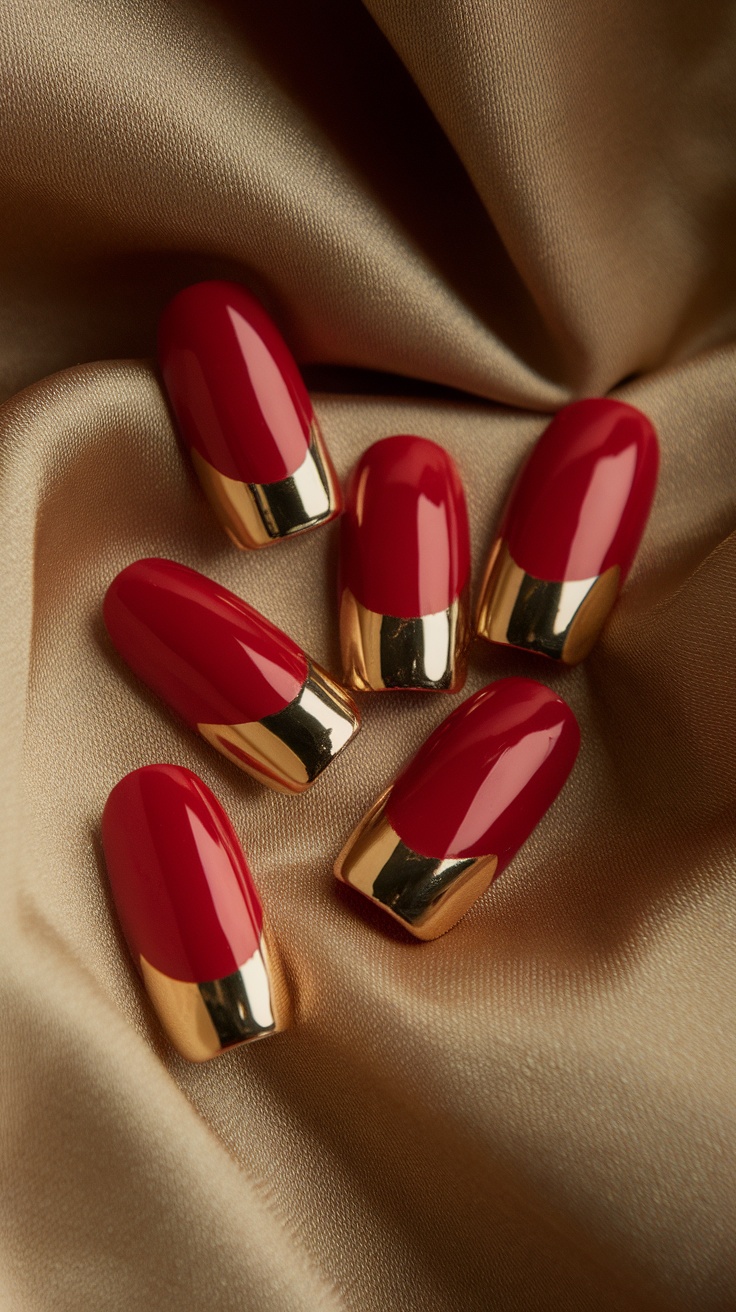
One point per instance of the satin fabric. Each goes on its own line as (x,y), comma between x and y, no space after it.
(524,204)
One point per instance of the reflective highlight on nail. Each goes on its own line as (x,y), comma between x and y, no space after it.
(570,531)
(229,673)
(242,409)
(404,569)
(190,913)
(463,806)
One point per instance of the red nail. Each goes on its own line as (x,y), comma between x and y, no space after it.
(461,809)
(229,673)
(244,412)
(570,530)
(190,912)
(404,567)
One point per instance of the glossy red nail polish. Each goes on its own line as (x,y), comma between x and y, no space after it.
(190,912)
(463,806)
(570,530)
(229,672)
(404,568)
(243,410)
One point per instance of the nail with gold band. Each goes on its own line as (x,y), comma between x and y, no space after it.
(191,913)
(404,570)
(570,531)
(463,806)
(244,413)
(228,672)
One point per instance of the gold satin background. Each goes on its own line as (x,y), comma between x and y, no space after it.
(527,203)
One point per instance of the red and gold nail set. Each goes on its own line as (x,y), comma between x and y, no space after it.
(461,808)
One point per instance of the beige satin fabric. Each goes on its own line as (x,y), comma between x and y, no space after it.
(537,1110)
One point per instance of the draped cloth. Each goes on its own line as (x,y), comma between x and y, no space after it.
(462,214)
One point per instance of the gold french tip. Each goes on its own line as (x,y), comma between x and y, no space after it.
(289,750)
(559,620)
(256,514)
(383,652)
(424,894)
(204,1020)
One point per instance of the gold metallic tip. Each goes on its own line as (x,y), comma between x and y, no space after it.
(256,514)
(383,652)
(426,895)
(559,620)
(289,750)
(204,1020)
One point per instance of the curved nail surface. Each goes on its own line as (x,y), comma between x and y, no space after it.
(463,806)
(229,672)
(404,569)
(243,410)
(570,530)
(191,913)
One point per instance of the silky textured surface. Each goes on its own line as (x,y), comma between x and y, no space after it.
(526,203)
